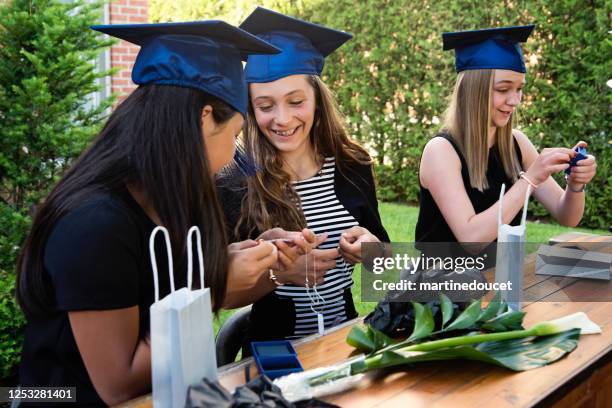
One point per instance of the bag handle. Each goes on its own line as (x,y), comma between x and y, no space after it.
(500,210)
(154,260)
(501,200)
(190,257)
(524,217)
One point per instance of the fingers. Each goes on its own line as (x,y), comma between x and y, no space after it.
(284,261)
(322,260)
(248,260)
(305,241)
(584,171)
(237,246)
(268,261)
(558,150)
(351,258)
(368,237)
(348,244)
(320,239)
(310,236)
(289,253)
(353,233)
(351,252)
(274,233)
(589,161)
(581,143)
(557,168)
(279,233)
(560,157)
(582,174)
(303,245)
(260,250)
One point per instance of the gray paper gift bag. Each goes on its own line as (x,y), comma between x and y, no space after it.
(182,337)
(511,253)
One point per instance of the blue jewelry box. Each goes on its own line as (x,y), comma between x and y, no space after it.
(275,358)
(581,154)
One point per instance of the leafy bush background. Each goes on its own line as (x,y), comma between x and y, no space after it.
(393,80)
(46,119)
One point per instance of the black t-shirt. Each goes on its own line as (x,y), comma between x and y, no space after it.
(97,258)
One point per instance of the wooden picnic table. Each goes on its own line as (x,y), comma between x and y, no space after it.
(581,379)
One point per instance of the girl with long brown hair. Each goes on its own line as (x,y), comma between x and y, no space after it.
(463,167)
(311,175)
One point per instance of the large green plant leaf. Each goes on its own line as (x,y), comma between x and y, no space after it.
(423,322)
(496,317)
(493,308)
(509,320)
(467,318)
(447,309)
(367,339)
(517,354)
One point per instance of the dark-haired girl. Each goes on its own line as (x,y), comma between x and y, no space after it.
(84,277)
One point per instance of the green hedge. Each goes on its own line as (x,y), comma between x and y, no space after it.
(47,77)
(393,80)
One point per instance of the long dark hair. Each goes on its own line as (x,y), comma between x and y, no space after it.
(152,140)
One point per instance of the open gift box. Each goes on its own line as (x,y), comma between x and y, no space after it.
(275,358)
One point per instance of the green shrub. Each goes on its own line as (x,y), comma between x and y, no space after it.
(47,77)
(393,80)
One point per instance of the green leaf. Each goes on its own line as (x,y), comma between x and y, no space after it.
(423,322)
(509,320)
(367,339)
(492,309)
(517,354)
(447,308)
(467,318)
(358,338)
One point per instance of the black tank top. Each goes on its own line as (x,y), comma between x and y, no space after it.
(431,225)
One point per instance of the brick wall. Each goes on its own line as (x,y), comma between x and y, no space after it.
(123,54)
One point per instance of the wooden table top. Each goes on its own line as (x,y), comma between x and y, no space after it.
(468,383)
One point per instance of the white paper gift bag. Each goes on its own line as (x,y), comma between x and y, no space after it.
(511,253)
(182,337)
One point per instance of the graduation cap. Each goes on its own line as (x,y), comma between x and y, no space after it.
(205,55)
(494,48)
(304,45)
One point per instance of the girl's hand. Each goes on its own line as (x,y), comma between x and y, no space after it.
(583,172)
(304,241)
(314,263)
(248,261)
(549,161)
(350,243)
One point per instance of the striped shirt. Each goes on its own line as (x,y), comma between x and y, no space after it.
(323,213)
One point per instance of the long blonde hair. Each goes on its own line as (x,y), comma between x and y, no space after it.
(270,200)
(467,121)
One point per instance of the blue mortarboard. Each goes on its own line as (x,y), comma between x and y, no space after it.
(304,45)
(495,48)
(205,55)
